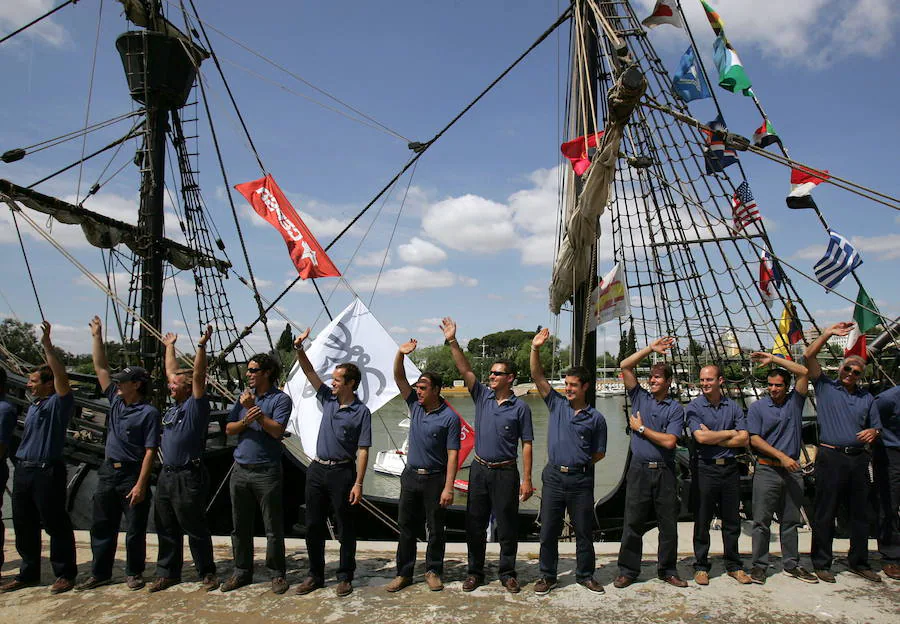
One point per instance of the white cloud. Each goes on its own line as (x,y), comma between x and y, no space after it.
(16,13)
(411,278)
(420,252)
(470,223)
(396,329)
(373,258)
(885,247)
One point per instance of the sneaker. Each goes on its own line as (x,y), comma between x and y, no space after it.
(740,576)
(675,580)
(433,580)
(134,581)
(62,585)
(235,582)
(344,588)
(701,577)
(471,583)
(398,583)
(866,573)
(622,581)
(592,585)
(279,585)
(161,583)
(891,570)
(15,585)
(758,575)
(92,583)
(801,575)
(308,585)
(825,576)
(543,586)
(209,582)
(511,584)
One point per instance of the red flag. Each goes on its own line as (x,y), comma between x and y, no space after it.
(270,203)
(576,151)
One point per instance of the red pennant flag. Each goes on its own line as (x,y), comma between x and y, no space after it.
(576,151)
(270,203)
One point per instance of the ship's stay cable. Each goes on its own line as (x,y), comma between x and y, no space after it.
(37,299)
(37,19)
(69,136)
(90,97)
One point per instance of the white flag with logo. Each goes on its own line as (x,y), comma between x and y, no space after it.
(610,298)
(356,336)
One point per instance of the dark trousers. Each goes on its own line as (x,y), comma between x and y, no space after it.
(181,510)
(649,489)
(420,503)
(840,479)
(252,486)
(492,491)
(113,485)
(573,491)
(4,476)
(776,490)
(328,491)
(886,462)
(717,490)
(39,498)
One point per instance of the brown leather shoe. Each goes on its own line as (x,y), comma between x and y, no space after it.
(675,580)
(279,585)
(622,581)
(825,576)
(344,588)
(209,582)
(741,577)
(511,584)
(866,573)
(308,585)
(701,577)
(398,583)
(891,570)
(471,583)
(543,586)
(92,583)
(62,585)
(15,585)
(433,580)
(135,581)
(235,582)
(592,585)
(161,583)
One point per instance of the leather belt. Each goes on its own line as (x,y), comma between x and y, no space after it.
(568,469)
(765,461)
(332,462)
(26,463)
(119,465)
(425,471)
(258,467)
(846,450)
(194,464)
(719,461)
(499,464)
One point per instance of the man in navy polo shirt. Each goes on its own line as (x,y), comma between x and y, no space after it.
(501,420)
(426,485)
(258,418)
(182,489)
(848,421)
(123,481)
(39,484)
(655,424)
(576,440)
(718,426)
(8,418)
(887,479)
(333,482)
(775,424)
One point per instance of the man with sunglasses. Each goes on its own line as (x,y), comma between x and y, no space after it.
(182,489)
(426,485)
(886,462)
(258,419)
(848,421)
(501,420)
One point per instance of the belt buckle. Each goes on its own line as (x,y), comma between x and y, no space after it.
(720,461)
(117,465)
(564,469)
(653,464)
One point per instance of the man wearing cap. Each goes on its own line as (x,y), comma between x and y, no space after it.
(334,479)
(123,480)
(8,419)
(182,489)
(576,440)
(39,484)
(848,421)
(655,423)
(718,426)
(501,420)
(259,418)
(886,462)
(426,485)
(775,425)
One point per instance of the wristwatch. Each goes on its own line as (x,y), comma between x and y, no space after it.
(641,429)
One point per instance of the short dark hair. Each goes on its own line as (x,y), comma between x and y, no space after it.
(715,366)
(662,367)
(351,373)
(581,372)
(269,364)
(508,365)
(45,373)
(436,380)
(780,372)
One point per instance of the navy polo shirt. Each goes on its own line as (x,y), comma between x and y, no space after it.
(888,403)
(722,417)
(498,427)
(779,425)
(573,437)
(184,429)
(7,420)
(842,415)
(343,429)
(130,429)
(431,434)
(255,445)
(45,428)
(666,416)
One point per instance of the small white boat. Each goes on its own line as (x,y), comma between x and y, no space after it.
(393,461)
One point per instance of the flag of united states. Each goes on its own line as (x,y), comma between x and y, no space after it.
(744,207)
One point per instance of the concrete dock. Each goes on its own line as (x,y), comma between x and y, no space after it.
(781,599)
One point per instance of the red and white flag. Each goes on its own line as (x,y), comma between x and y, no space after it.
(270,203)
(769,278)
(665,12)
(803,181)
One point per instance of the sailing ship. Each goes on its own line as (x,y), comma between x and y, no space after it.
(646,190)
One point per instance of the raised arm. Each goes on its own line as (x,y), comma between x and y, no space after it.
(399,371)
(660,345)
(60,377)
(448,326)
(812,363)
(98,353)
(305,365)
(198,382)
(800,372)
(537,371)
(171,359)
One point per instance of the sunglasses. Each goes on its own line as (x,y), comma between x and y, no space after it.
(253,370)
(498,373)
(853,371)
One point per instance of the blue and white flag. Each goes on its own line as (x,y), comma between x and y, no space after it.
(840,258)
(689,83)
(716,154)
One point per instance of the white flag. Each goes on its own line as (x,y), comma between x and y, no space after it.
(610,298)
(356,336)
(665,12)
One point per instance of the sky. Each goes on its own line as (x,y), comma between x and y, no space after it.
(470,234)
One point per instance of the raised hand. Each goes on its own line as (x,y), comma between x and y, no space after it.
(762,358)
(205,337)
(169,339)
(840,329)
(448,326)
(96,326)
(45,335)
(409,346)
(298,341)
(540,338)
(247,399)
(661,345)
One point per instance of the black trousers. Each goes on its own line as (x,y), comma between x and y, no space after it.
(840,479)
(573,491)
(257,485)
(110,504)
(492,491)
(649,489)
(420,503)
(180,510)
(886,462)
(328,491)
(4,476)
(717,490)
(39,499)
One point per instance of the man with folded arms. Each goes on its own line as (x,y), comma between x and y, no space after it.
(426,485)
(848,421)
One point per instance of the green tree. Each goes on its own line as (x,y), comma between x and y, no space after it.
(438,360)
(286,340)
(19,338)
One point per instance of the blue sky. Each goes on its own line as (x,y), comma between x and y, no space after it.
(474,238)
